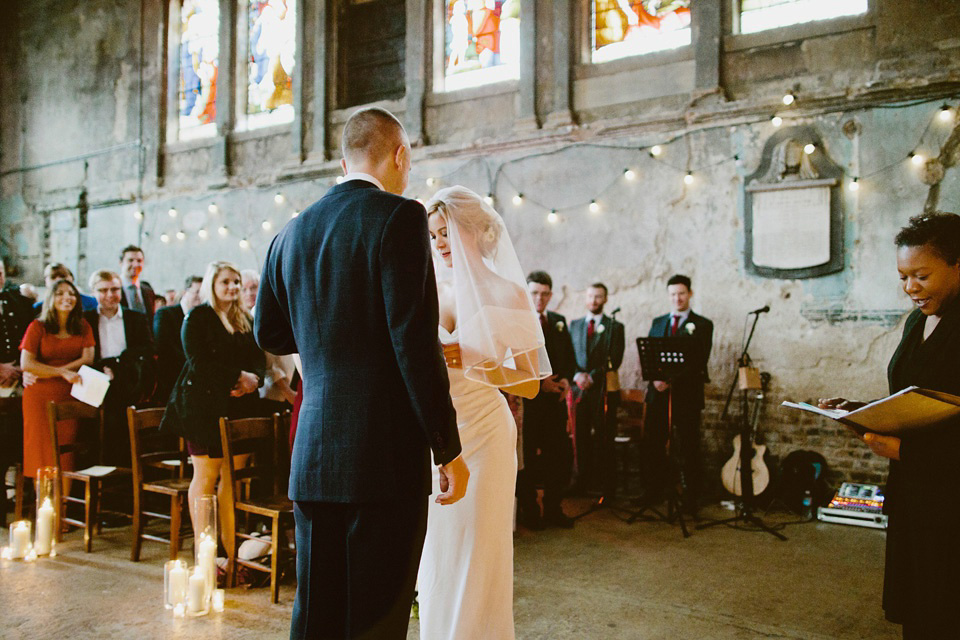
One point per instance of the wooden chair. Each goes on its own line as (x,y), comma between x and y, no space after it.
(11,406)
(92,484)
(630,433)
(261,438)
(150,452)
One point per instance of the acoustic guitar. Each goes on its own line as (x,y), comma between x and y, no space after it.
(760,475)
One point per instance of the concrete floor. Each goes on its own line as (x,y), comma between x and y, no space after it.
(604,579)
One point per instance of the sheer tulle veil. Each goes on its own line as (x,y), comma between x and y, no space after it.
(499,332)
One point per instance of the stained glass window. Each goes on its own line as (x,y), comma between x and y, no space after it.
(482,42)
(199,60)
(624,28)
(271,57)
(760,15)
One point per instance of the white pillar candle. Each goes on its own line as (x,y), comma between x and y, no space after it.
(178,584)
(45,517)
(218,600)
(19,539)
(207,561)
(197,591)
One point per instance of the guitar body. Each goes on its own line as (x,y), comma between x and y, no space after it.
(730,474)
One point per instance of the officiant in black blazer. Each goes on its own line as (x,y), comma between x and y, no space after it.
(124,351)
(349,284)
(547,451)
(688,398)
(598,342)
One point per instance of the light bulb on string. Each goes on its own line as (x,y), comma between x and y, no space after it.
(776,121)
(279,198)
(946,113)
(172,212)
(203,233)
(213,208)
(138,215)
(518,199)
(688,179)
(244,244)
(916,158)
(266,225)
(629,174)
(222,231)
(788,98)
(431,182)
(339,179)
(854,185)
(181,235)
(164,238)
(656,150)
(488,199)
(594,207)
(552,217)
(294,214)
(809,148)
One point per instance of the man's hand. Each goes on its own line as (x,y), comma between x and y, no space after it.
(839,403)
(583,380)
(553,384)
(246,383)
(660,385)
(886,446)
(9,374)
(109,372)
(453,481)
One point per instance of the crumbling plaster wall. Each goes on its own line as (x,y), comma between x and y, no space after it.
(75,85)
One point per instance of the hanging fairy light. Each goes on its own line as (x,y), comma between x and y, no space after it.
(279,198)
(181,235)
(629,174)
(431,182)
(594,207)
(552,217)
(916,158)
(809,148)
(688,179)
(244,244)
(854,185)
(339,179)
(138,215)
(213,208)
(172,212)
(946,113)
(266,225)
(656,150)
(789,98)
(518,199)
(203,233)
(164,238)
(488,199)
(294,214)
(222,231)
(776,121)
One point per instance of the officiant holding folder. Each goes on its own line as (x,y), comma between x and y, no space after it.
(923,558)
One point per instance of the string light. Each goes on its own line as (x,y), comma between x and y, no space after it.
(222,231)
(181,235)
(203,233)
(266,225)
(213,208)
(776,121)
(294,214)
(172,212)
(946,113)
(656,150)
(688,179)
(518,199)
(244,244)
(164,238)
(594,207)
(488,199)
(339,179)
(552,217)
(629,174)
(916,158)
(788,98)
(809,148)
(279,198)
(854,185)
(138,215)
(431,182)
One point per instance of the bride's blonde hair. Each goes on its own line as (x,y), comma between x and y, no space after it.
(471,214)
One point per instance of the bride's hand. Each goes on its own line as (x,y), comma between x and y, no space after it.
(451,353)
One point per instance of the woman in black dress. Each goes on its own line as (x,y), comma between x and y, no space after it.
(920,588)
(223,371)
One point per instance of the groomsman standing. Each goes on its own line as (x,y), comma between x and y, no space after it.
(547,455)
(688,400)
(136,294)
(598,343)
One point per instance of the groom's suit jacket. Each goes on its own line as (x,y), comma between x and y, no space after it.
(688,389)
(349,284)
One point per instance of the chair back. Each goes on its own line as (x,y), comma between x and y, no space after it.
(258,438)
(74,410)
(148,446)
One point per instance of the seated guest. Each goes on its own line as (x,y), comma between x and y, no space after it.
(124,351)
(224,369)
(277,393)
(57,271)
(54,347)
(167,324)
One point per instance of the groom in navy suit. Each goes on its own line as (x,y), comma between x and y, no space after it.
(349,284)
(688,399)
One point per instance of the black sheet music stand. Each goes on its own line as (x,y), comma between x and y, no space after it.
(667,359)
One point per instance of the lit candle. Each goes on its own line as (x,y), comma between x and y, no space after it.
(19,539)
(5,553)
(207,561)
(177,579)
(45,516)
(197,591)
(218,600)
(178,611)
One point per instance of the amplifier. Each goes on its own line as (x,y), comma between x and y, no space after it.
(858,504)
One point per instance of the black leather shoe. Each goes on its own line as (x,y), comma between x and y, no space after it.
(559,520)
(532,521)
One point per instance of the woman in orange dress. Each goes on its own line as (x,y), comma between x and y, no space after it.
(54,347)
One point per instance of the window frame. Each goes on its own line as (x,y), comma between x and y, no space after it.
(584,29)
(735,41)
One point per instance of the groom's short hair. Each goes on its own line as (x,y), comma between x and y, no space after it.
(370,133)
(540,277)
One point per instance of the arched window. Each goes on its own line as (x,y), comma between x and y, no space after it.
(199,60)
(270,52)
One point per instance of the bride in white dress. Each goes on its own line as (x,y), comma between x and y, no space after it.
(492,341)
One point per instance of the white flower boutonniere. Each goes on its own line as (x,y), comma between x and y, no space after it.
(601,328)
(560,327)
(691,328)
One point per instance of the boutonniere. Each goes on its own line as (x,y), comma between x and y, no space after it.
(601,329)
(691,328)
(560,327)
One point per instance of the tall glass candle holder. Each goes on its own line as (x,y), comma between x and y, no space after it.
(20,544)
(175,580)
(205,541)
(48,502)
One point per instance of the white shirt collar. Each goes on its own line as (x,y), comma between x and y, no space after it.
(356,175)
(116,316)
(597,319)
(683,315)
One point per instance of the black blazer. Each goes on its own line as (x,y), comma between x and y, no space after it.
(559,346)
(923,559)
(135,369)
(349,284)
(590,357)
(688,389)
(18,313)
(167,324)
(149,299)
(201,395)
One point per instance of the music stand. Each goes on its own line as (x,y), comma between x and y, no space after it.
(667,359)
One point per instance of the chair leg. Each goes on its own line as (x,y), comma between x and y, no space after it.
(18,485)
(88,515)
(275,559)
(175,506)
(137,528)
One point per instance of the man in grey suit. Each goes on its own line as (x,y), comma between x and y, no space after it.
(349,284)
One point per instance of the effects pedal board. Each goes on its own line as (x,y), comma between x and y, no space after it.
(858,504)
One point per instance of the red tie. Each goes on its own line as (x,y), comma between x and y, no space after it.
(590,329)
(676,325)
